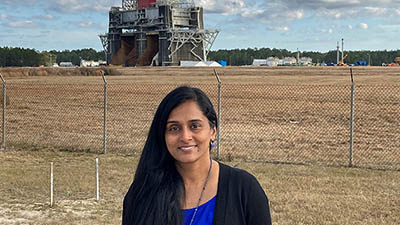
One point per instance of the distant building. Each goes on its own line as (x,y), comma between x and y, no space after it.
(66,64)
(92,63)
(259,62)
(289,61)
(156,32)
(305,61)
(199,63)
(272,61)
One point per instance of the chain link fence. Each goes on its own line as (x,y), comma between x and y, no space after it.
(63,116)
(302,124)
(131,108)
(307,124)
(377,126)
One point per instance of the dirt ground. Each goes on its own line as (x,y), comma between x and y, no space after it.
(298,194)
(270,75)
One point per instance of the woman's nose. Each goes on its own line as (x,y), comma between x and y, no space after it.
(186,135)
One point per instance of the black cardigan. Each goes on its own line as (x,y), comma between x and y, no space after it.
(240,199)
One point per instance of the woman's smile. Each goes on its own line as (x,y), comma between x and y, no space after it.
(187,148)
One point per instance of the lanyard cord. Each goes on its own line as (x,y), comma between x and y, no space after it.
(202,192)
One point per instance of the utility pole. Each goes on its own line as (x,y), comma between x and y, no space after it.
(337,54)
(369,59)
(342,50)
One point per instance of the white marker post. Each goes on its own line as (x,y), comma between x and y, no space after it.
(97,180)
(51,185)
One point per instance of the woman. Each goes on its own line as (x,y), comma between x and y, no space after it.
(177,182)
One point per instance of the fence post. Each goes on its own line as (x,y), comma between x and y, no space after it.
(219,115)
(51,185)
(97,180)
(351,120)
(105,117)
(3,140)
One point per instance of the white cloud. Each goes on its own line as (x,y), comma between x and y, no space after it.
(22,24)
(282,28)
(74,6)
(225,7)
(3,16)
(329,31)
(298,14)
(363,26)
(350,27)
(86,24)
(337,8)
(47,16)
(375,11)
(249,13)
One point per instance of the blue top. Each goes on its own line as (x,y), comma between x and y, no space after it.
(204,215)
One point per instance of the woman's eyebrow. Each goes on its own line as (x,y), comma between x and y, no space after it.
(196,120)
(174,121)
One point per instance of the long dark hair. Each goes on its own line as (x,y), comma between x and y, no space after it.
(154,198)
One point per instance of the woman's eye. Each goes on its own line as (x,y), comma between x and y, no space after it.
(173,128)
(195,126)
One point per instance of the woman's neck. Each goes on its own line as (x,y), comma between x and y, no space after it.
(194,173)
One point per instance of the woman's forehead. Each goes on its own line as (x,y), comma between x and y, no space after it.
(188,110)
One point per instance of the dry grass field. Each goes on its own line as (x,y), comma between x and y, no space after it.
(297,115)
(298,194)
(282,114)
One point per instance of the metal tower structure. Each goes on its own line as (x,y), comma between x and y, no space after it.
(156,32)
(129,4)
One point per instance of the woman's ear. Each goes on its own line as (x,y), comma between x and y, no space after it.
(214,133)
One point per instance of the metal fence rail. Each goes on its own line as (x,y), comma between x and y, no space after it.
(277,123)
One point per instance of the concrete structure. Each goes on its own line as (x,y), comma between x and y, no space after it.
(156,32)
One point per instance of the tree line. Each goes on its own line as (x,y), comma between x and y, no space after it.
(235,57)
(31,57)
(239,57)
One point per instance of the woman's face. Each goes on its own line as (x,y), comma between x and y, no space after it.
(188,133)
